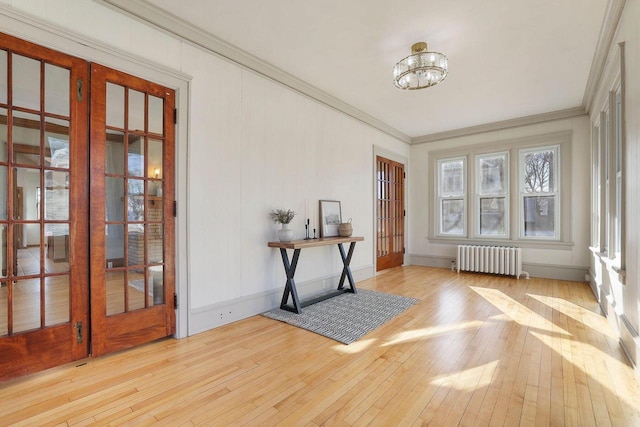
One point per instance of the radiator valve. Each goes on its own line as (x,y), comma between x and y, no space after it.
(453,265)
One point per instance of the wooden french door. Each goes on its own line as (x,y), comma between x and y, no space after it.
(390,213)
(43,202)
(132,220)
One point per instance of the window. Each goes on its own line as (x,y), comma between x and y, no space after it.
(607,163)
(539,193)
(618,184)
(503,192)
(492,194)
(452,197)
(595,186)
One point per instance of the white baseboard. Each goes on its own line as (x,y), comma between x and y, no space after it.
(627,335)
(547,271)
(212,316)
(557,272)
(630,342)
(431,261)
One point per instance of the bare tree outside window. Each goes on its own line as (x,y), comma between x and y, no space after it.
(539,188)
(539,171)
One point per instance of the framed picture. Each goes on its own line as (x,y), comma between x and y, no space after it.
(330,218)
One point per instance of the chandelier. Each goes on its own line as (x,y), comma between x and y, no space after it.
(421,69)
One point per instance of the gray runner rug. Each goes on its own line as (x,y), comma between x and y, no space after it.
(348,317)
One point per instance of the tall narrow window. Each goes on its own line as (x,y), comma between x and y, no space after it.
(452,197)
(618,188)
(539,192)
(595,186)
(606,197)
(492,207)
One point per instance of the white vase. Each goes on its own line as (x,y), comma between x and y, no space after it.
(285,234)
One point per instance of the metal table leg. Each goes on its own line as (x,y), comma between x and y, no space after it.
(346,270)
(290,287)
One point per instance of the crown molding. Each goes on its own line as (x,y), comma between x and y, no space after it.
(504,124)
(143,11)
(605,40)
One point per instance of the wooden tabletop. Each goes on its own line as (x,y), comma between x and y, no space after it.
(323,241)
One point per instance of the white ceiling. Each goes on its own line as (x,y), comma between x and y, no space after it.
(507,58)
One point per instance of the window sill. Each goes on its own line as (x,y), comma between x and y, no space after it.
(534,244)
(612,264)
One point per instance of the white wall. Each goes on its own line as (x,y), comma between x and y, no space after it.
(565,262)
(260,146)
(253,146)
(618,292)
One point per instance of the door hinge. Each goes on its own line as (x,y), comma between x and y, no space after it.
(175,209)
(403,251)
(404,175)
(404,212)
(175,116)
(175,301)
(78,328)
(79,94)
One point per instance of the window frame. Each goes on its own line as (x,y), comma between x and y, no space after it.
(479,196)
(563,139)
(440,198)
(555,193)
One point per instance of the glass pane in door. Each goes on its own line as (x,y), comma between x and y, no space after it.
(115,292)
(156,115)
(115,153)
(115,106)
(26,138)
(4,314)
(57,247)
(136,290)
(26,82)
(26,305)
(57,300)
(27,249)
(136,111)
(56,90)
(3,78)
(4,119)
(56,143)
(56,195)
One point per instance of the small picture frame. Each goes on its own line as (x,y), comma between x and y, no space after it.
(330,218)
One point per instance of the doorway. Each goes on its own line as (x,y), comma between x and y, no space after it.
(390,213)
(56,301)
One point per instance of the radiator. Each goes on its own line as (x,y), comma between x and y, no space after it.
(491,259)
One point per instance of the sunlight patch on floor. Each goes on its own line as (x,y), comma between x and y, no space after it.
(418,334)
(469,379)
(575,312)
(601,361)
(355,347)
(516,311)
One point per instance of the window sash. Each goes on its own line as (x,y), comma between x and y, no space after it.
(451,202)
(539,194)
(492,208)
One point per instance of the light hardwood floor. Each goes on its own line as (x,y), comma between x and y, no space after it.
(477,350)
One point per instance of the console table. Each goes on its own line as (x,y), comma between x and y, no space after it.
(290,269)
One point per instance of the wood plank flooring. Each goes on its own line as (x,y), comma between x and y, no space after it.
(478,350)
